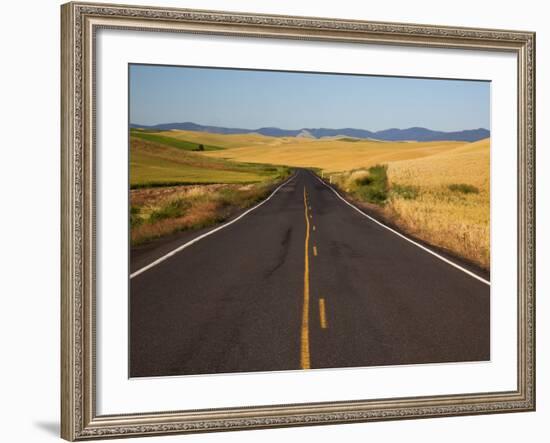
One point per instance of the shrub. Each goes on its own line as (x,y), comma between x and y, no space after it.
(374,186)
(464,188)
(406,192)
(173,209)
(364,181)
(135,218)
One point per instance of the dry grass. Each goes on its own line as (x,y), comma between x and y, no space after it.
(202,214)
(161,211)
(459,224)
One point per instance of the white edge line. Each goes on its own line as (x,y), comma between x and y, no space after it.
(206,234)
(471,274)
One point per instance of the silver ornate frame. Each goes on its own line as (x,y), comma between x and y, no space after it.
(80,21)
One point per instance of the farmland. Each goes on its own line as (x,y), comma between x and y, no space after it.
(158,161)
(330,155)
(435,191)
(174,188)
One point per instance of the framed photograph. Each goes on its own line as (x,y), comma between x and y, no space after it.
(281,221)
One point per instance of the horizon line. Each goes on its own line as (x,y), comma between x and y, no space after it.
(306,128)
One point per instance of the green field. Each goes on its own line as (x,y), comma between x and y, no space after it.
(159,161)
(171,141)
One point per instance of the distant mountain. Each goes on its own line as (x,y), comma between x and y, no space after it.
(423,134)
(393,134)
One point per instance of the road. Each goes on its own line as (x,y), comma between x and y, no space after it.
(302,281)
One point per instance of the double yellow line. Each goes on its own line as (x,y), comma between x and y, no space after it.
(305,361)
(304,353)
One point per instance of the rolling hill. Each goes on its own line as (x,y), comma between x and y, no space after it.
(392,134)
(160,163)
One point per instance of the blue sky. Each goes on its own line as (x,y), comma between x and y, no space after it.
(254,99)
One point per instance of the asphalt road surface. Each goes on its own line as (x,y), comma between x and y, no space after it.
(302,281)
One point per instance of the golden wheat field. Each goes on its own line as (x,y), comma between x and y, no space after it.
(442,215)
(438,191)
(330,155)
(442,199)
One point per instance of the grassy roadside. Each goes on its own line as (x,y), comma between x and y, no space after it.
(156,212)
(448,215)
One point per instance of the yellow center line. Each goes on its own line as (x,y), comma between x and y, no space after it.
(315,251)
(322,314)
(304,341)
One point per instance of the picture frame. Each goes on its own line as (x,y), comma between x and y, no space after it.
(80,24)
